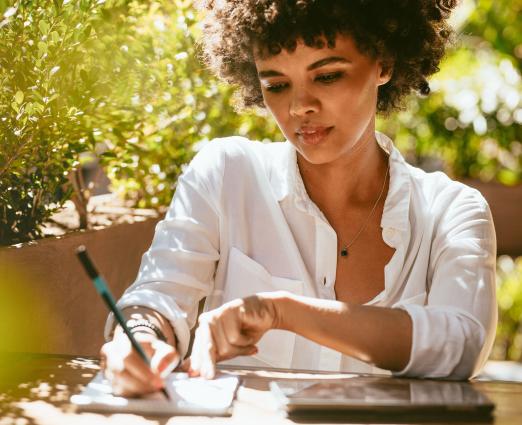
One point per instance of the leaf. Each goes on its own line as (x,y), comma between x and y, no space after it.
(109,154)
(55,37)
(87,32)
(44,27)
(84,5)
(19,97)
(42,48)
(28,108)
(38,107)
(84,76)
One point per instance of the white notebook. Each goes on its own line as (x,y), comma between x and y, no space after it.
(188,396)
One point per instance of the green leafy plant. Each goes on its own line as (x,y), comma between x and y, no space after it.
(43,102)
(508,343)
(470,124)
(164,104)
(498,23)
(118,78)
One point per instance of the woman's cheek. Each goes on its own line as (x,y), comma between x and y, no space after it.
(279,110)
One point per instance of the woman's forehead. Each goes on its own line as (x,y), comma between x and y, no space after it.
(344,48)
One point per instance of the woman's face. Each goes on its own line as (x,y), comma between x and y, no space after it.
(324,100)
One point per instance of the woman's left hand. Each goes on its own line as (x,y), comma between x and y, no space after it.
(231,330)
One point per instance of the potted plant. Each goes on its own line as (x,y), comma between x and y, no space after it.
(47,103)
(113,82)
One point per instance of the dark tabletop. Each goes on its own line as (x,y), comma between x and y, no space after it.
(35,388)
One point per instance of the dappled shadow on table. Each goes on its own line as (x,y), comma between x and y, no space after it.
(36,388)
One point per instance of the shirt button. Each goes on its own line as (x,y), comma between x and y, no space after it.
(389,233)
(324,281)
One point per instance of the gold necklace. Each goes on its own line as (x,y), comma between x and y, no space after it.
(344,250)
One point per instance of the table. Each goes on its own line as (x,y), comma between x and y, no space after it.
(35,389)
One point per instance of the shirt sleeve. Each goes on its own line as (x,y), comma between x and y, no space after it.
(178,269)
(454,332)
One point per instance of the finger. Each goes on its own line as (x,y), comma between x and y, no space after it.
(256,314)
(249,314)
(103,358)
(141,371)
(222,346)
(184,365)
(113,357)
(125,384)
(165,358)
(121,357)
(243,351)
(232,323)
(146,342)
(195,356)
(204,356)
(227,350)
(208,356)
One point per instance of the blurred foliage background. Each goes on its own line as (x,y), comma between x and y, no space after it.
(470,124)
(118,82)
(508,342)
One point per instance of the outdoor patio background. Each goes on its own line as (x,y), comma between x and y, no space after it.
(116,86)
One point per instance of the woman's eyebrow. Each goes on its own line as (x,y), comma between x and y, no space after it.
(269,73)
(326,61)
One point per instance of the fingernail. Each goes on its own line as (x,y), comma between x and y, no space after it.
(208,374)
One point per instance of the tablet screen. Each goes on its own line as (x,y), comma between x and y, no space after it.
(365,392)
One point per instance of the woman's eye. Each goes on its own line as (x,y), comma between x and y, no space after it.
(329,78)
(276,88)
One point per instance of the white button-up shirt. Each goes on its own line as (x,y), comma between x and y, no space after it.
(241,222)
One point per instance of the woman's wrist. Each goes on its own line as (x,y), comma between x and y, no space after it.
(159,325)
(146,326)
(278,304)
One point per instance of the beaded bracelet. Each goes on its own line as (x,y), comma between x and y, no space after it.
(143,323)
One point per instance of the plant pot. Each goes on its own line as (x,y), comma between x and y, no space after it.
(47,302)
(506,207)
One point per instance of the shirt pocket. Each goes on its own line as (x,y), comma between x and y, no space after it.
(246,277)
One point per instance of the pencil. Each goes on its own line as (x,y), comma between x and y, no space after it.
(105,293)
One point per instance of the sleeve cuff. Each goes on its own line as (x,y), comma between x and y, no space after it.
(445,343)
(164,305)
(411,312)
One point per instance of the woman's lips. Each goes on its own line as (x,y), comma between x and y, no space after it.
(313,135)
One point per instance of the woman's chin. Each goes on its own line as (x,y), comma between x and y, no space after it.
(315,156)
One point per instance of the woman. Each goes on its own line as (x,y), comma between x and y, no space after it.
(327,251)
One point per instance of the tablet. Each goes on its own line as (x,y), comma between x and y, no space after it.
(376,395)
(188,396)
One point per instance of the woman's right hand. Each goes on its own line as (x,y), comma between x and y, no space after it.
(128,373)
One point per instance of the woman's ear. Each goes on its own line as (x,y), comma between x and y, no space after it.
(385,70)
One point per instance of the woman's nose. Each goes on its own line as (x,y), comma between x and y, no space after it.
(303,103)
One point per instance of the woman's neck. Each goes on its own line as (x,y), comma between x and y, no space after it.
(352,181)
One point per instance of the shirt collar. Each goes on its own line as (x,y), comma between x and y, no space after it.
(286,181)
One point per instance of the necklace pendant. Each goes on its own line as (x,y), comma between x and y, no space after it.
(344,252)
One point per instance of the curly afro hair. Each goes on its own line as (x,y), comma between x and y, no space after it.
(409,35)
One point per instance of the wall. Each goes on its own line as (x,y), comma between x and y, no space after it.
(506,207)
(47,302)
